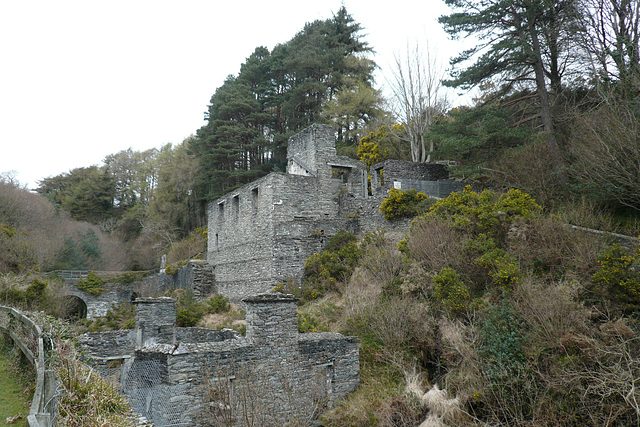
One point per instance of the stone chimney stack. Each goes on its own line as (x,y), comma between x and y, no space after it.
(272,319)
(155,321)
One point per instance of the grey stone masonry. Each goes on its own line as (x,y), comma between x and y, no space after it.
(272,320)
(155,321)
(262,233)
(199,378)
(197,276)
(430,178)
(99,305)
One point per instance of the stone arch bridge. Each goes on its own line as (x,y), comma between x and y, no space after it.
(196,276)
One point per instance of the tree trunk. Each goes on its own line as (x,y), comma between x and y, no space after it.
(543,96)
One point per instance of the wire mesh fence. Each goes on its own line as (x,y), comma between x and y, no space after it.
(162,404)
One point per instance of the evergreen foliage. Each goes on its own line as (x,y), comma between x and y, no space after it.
(320,74)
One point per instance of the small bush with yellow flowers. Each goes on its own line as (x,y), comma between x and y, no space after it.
(451,292)
(404,204)
(485,211)
(618,277)
(92,284)
(325,271)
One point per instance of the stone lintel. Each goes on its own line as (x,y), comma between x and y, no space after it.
(149,300)
(271,297)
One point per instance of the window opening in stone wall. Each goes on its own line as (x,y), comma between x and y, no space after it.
(235,206)
(254,200)
(380,173)
(221,211)
(324,382)
(217,242)
(340,172)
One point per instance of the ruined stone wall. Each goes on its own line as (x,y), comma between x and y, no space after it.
(183,375)
(196,276)
(245,246)
(312,147)
(109,344)
(365,216)
(262,233)
(155,321)
(240,237)
(407,175)
(285,375)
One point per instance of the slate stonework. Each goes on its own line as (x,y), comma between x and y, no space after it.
(172,371)
(262,233)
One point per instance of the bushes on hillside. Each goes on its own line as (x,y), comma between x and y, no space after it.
(504,307)
(618,278)
(189,311)
(404,204)
(34,235)
(326,271)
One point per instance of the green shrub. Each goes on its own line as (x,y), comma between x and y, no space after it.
(92,284)
(451,292)
(308,323)
(503,268)
(119,316)
(129,277)
(468,209)
(13,296)
(484,212)
(174,268)
(404,204)
(189,311)
(304,293)
(325,270)
(218,304)
(618,277)
(502,342)
(35,291)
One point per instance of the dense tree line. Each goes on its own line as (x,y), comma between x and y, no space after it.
(551,74)
(556,116)
(321,75)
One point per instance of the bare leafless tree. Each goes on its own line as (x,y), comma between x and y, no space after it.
(607,153)
(612,39)
(417,99)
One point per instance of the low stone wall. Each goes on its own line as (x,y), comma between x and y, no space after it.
(194,376)
(109,344)
(196,275)
(365,216)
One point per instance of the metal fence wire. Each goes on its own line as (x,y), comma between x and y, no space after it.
(140,381)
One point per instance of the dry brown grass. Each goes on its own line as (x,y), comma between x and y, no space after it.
(550,312)
(434,243)
(233,319)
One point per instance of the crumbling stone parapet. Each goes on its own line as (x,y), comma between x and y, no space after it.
(155,321)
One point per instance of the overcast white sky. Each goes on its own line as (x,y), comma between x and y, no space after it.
(83,79)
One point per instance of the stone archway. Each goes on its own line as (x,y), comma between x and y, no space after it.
(77,308)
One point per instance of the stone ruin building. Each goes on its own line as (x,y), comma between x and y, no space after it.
(262,233)
(197,376)
(259,234)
